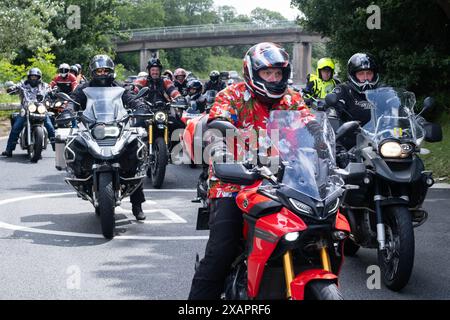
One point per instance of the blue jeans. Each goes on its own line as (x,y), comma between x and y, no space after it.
(19,123)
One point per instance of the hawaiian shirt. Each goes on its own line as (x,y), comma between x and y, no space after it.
(237,105)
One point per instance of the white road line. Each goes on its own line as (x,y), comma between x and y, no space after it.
(440,186)
(172,216)
(96,236)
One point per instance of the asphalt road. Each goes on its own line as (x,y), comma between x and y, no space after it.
(51,245)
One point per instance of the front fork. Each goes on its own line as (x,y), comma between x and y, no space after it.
(381,233)
(288,266)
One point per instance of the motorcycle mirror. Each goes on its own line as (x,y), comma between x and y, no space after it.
(142,93)
(346,128)
(331,99)
(433,132)
(9,84)
(65,97)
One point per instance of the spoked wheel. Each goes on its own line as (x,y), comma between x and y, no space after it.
(397,260)
(322,290)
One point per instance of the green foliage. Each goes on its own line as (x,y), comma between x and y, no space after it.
(24,26)
(44,61)
(438,160)
(411,47)
(10,72)
(8,98)
(99,22)
(121,72)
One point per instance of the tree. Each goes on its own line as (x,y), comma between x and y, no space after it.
(412,45)
(98,24)
(23,25)
(265,16)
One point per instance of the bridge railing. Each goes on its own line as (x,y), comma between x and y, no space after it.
(209,28)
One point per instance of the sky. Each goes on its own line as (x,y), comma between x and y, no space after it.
(246,6)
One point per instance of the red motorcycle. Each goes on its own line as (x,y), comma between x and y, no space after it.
(293,231)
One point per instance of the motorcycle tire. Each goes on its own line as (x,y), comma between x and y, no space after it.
(106,204)
(158,168)
(397,260)
(322,290)
(35,149)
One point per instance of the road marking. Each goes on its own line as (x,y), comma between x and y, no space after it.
(96,236)
(440,186)
(172,218)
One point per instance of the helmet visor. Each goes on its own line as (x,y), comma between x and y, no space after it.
(270,58)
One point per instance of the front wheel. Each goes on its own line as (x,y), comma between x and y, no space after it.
(322,290)
(397,260)
(106,204)
(35,148)
(158,167)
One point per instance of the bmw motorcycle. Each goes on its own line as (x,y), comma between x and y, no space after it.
(105,158)
(385,204)
(293,229)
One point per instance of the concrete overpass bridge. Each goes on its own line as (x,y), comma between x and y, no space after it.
(148,41)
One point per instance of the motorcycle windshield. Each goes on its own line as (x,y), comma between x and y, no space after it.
(392,116)
(305,145)
(104,104)
(210,96)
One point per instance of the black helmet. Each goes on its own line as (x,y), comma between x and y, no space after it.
(34,72)
(214,75)
(195,88)
(154,62)
(359,62)
(74,70)
(102,61)
(263,56)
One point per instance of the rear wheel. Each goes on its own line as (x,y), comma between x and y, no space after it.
(397,260)
(35,148)
(158,168)
(322,290)
(106,204)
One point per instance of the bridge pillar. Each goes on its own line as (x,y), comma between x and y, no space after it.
(145,55)
(301,61)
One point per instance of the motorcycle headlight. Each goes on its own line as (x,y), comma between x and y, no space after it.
(42,109)
(58,104)
(32,107)
(99,132)
(112,132)
(47,103)
(391,149)
(160,117)
(301,207)
(291,236)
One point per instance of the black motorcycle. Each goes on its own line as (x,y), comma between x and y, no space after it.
(385,205)
(106,158)
(34,135)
